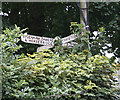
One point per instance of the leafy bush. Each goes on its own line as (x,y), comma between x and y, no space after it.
(9,46)
(46,75)
(85,41)
(75,75)
(82,40)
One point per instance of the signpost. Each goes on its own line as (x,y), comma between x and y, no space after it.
(39,49)
(69,38)
(48,42)
(37,40)
(70,45)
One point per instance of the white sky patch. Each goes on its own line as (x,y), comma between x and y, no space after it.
(109,55)
(93,37)
(9,11)
(105,47)
(95,33)
(101,51)
(110,45)
(67,8)
(19,13)
(117,59)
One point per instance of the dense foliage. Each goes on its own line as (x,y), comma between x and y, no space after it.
(8,48)
(42,19)
(49,75)
(107,15)
(53,19)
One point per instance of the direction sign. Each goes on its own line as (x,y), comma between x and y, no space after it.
(43,48)
(69,38)
(45,40)
(48,42)
(37,40)
(70,45)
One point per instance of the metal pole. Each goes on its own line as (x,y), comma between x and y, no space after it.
(84,10)
(84,15)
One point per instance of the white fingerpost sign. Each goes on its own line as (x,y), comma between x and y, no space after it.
(37,40)
(70,45)
(69,38)
(39,49)
(48,42)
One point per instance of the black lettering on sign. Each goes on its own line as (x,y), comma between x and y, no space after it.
(24,36)
(50,43)
(25,39)
(31,40)
(38,38)
(37,41)
(45,39)
(28,37)
(33,37)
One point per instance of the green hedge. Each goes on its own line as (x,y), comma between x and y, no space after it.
(73,76)
(46,75)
